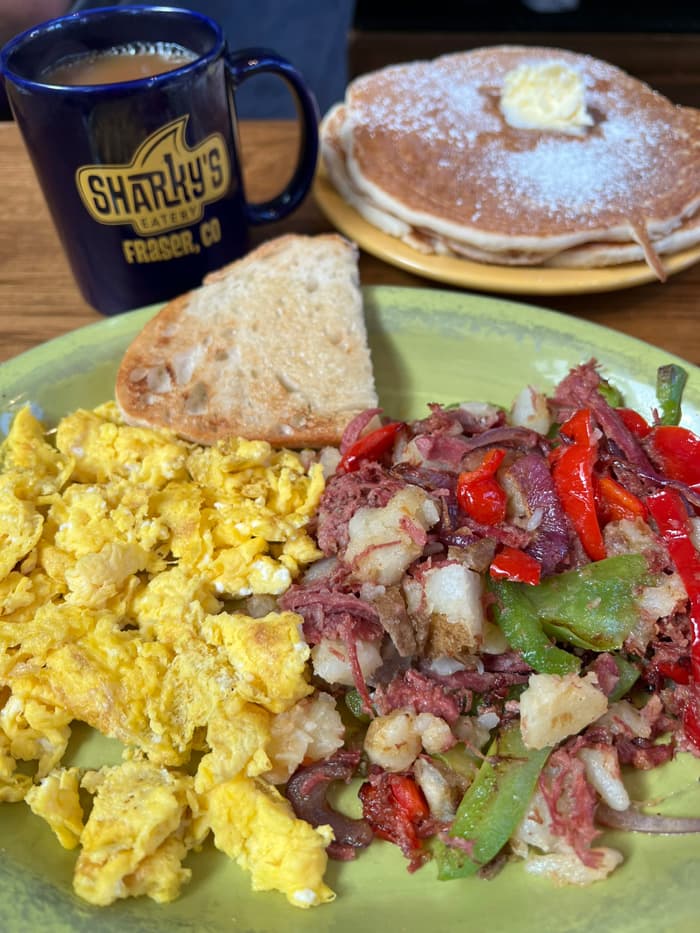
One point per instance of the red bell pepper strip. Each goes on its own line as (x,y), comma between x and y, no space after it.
(373,446)
(409,797)
(671,518)
(484,501)
(478,492)
(487,468)
(634,422)
(579,427)
(572,473)
(675,672)
(615,502)
(678,451)
(395,808)
(515,565)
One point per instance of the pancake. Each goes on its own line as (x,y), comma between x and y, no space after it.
(423,151)
(596,255)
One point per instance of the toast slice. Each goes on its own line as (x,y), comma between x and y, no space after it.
(272,346)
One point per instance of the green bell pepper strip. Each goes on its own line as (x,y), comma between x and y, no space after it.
(356,706)
(611,393)
(629,674)
(670,382)
(517,618)
(493,806)
(594,606)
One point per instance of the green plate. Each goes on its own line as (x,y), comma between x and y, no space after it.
(427,346)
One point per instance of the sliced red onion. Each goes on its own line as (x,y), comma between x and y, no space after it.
(633,820)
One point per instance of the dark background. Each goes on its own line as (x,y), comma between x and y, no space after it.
(515,16)
(657,42)
(661,42)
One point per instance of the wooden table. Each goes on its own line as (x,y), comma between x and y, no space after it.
(39,300)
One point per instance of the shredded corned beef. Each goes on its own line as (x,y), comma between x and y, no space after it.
(460,420)
(643,753)
(443,449)
(370,485)
(332,614)
(607,672)
(509,662)
(412,690)
(580,389)
(571,801)
(470,529)
(415,532)
(491,684)
(338,615)
(668,653)
(576,390)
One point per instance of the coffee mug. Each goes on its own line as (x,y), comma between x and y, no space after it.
(142,176)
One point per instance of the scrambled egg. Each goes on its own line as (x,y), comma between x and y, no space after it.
(124,556)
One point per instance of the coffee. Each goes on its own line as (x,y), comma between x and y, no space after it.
(120,63)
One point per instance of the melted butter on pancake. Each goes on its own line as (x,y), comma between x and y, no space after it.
(545,96)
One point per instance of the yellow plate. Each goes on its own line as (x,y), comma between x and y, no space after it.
(512,280)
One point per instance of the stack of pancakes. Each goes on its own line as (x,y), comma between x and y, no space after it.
(423,151)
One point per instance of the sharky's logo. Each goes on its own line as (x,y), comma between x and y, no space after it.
(166,185)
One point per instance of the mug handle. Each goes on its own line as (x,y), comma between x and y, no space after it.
(246,63)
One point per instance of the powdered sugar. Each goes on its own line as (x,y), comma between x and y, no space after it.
(425,101)
(564,177)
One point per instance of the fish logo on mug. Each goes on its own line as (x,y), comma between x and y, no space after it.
(165,186)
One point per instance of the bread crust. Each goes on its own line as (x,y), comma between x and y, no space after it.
(272,346)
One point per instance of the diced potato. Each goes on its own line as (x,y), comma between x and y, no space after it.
(623,718)
(393,742)
(330,660)
(554,707)
(695,531)
(666,598)
(439,793)
(530,410)
(436,736)
(311,730)
(567,868)
(384,541)
(453,599)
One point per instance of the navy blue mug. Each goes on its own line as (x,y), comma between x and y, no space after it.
(143,177)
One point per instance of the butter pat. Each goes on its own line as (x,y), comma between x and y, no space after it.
(545,96)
